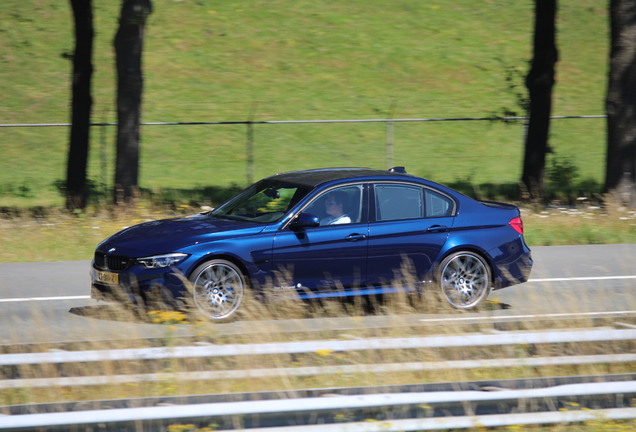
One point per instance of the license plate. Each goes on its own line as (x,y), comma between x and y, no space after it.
(107,277)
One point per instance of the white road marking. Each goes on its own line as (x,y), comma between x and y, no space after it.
(28,299)
(554,315)
(590,278)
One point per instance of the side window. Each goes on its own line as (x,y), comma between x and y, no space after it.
(437,205)
(338,206)
(398,201)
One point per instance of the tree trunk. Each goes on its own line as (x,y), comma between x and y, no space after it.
(128,52)
(82,102)
(620,104)
(539,82)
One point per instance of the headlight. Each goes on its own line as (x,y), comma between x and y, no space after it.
(162,261)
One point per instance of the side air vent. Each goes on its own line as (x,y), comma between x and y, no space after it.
(100,260)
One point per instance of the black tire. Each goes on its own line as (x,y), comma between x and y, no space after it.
(218,289)
(465,280)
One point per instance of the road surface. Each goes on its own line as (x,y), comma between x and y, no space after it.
(49,302)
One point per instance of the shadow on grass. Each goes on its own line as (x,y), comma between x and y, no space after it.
(175,199)
(169,199)
(566,193)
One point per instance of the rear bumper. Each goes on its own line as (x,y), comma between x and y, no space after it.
(514,266)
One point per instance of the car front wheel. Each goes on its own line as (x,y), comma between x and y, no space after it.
(464,278)
(218,289)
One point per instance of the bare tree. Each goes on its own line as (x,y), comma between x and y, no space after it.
(620,104)
(128,52)
(82,102)
(540,81)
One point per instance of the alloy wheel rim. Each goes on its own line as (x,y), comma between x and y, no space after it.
(218,291)
(464,280)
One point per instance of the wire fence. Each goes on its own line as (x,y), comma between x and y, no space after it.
(250,124)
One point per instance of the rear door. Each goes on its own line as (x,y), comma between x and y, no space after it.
(409,225)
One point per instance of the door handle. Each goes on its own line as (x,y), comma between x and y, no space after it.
(355,237)
(437,228)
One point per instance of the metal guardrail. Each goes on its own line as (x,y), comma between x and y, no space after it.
(315,371)
(385,411)
(394,411)
(445,341)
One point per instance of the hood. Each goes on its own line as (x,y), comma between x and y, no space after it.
(169,235)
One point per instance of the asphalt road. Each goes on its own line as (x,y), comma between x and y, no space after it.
(49,302)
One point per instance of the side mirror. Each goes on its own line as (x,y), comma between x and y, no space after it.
(305,220)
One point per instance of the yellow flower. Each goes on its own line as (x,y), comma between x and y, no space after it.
(324,353)
(167,317)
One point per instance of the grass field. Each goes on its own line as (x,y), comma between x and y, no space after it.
(284,60)
(211,61)
(301,60)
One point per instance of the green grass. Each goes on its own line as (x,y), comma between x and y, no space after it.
(300,60)
(296,60)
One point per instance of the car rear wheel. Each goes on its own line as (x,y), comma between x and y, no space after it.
(218,289)
(464,278)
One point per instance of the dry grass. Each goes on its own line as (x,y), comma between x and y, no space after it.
(59,236)
(398,316)
(612,224)
(63,237)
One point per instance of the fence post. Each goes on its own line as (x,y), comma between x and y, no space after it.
(389,135)
(103,155)
(250,143)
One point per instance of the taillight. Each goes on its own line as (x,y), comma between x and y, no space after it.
(516,224)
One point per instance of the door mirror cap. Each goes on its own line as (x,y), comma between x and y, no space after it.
(305,220)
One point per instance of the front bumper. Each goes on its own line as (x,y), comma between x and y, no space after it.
(140,286)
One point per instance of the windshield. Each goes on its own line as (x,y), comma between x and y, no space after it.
(264,202)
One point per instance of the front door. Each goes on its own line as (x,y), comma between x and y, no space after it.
(325,259)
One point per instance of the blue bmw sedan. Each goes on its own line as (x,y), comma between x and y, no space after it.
(333,232)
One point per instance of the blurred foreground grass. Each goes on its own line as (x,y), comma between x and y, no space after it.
(273,321)
(58,236)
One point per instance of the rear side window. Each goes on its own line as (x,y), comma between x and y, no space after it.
(402,201)
(396,202)
(437,205)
